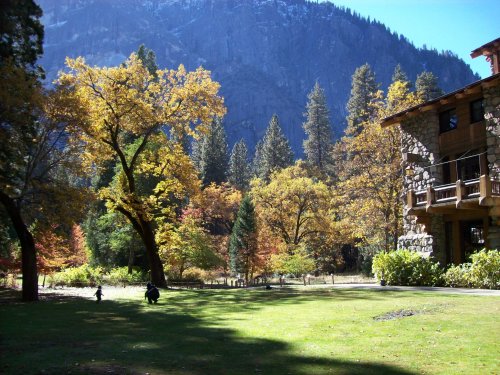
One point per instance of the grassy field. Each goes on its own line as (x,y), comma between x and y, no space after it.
(278,331)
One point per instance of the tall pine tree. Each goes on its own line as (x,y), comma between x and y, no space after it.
(213,154)
(318,143)
(400,75)
(239,169)
(275,151)
(363,89)
(243,241)
(427,87)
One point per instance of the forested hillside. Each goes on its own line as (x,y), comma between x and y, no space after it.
(267,55)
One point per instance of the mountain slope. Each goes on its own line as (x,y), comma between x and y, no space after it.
(267,54)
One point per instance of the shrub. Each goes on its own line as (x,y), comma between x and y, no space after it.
(120,275)
(191,274)
(78,276)
(457,276)
(482,272)
(405,267)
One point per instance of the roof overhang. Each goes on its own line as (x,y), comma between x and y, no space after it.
(486,49)
(464,92)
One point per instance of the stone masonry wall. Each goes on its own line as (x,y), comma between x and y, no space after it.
(419,136)
(492,113)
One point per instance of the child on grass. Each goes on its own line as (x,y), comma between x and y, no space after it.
(98,294)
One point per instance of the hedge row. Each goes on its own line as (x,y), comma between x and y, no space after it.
(404,267)
(91,276)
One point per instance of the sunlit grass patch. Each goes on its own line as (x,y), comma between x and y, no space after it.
(278,331)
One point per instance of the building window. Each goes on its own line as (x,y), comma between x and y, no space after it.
(446,170)
(473,238)
(477,236)
(476,111)
(448,120)
(469,167)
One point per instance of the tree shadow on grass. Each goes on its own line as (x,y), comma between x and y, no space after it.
(122,337)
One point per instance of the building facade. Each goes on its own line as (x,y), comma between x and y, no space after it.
(451,156)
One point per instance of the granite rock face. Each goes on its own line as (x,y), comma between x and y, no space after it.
(267,54)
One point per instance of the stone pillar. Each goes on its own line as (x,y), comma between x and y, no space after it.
(492,114)
(493,239)
(420,145)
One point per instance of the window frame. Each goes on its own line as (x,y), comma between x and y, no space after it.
(448,120)
(474,115)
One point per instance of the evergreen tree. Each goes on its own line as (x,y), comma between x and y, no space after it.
(399,75)
(275,152)
(21,41)
(148,59)
(213,151)
(363,90)
(427,86)
(257,159)
(196,153)
(243,241)
(239,169)
(318,144)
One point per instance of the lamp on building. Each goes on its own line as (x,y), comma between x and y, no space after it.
(409,171)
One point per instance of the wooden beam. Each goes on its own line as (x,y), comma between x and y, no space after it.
(447,210)
(493,83)
(473,90)
(445,101)
(430,107)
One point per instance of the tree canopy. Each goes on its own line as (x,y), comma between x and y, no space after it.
(123,114)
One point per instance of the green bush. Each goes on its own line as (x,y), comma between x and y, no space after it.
(482,272)
(120,275)
(78,276)
(405,267)
(457,276)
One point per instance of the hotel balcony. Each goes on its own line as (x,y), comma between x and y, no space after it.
(478,194)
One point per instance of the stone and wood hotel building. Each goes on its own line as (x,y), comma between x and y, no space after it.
(451,155)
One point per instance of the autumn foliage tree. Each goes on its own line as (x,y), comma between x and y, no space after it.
(128,115)
(294,206)
(57,250)
(368,193)
(217,207)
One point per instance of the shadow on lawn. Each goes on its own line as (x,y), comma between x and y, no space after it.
(82,337)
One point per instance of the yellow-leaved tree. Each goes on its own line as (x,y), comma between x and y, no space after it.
(134,118)
(294,207)
(369,185)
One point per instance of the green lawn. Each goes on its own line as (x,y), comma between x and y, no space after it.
(278,331)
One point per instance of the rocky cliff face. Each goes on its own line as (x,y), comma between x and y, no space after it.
(267,54)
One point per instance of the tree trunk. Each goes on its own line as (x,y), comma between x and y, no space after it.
(130,260)
(28,251)
(145,230)
(157,274)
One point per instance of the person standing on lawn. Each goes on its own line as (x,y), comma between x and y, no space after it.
(98,294)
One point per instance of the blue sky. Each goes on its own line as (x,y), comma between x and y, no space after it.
(456,25)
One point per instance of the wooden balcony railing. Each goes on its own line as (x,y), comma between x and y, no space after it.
(481,188)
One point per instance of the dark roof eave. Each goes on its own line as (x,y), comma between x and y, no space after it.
(485,48)
(396,118)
